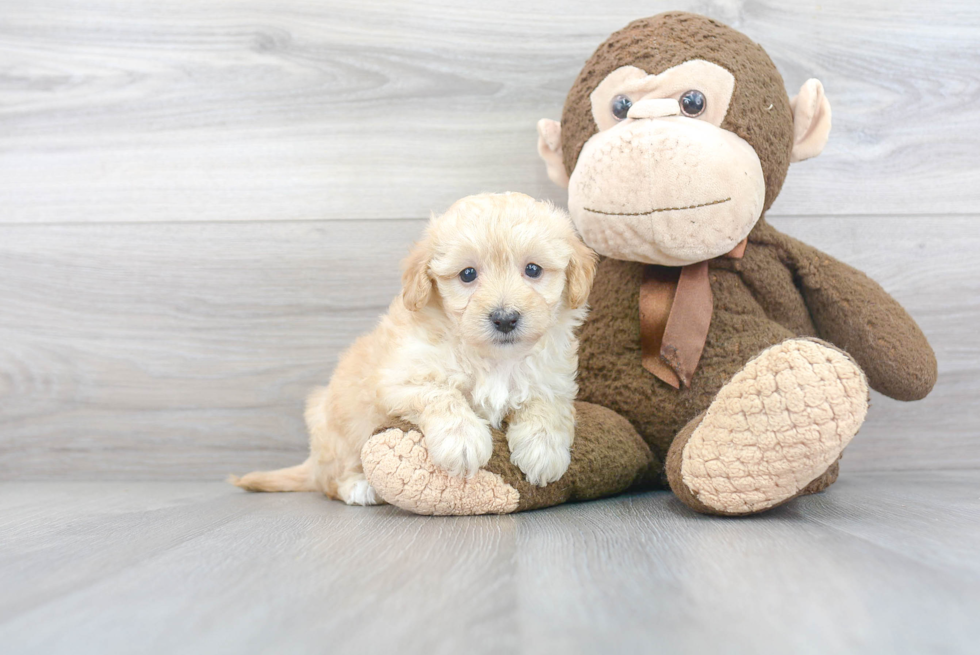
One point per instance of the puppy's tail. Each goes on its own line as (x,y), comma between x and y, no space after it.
(294,478)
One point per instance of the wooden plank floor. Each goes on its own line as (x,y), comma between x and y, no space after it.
(883,562)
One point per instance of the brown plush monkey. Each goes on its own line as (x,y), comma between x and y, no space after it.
(721,357)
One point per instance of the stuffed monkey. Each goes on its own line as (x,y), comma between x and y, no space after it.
(721,357)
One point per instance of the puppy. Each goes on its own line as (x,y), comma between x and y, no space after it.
(482,333)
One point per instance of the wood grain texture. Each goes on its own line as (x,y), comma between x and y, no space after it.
(142,344)
(880,563)
(184,351)
(179,111)
(202,204)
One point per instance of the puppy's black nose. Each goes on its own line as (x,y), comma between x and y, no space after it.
(504,321)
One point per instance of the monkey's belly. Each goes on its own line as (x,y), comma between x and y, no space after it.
(611,373)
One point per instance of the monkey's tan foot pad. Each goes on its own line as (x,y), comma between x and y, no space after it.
(397,466)
(778,425)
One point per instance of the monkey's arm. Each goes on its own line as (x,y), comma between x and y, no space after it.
(854,313)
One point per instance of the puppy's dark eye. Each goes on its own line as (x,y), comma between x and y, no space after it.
(693,103)
(621,106)
(532,270)
(467,274)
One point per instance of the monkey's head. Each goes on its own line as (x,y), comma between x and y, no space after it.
(676,137)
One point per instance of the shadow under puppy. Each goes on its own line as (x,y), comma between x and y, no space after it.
(483,333)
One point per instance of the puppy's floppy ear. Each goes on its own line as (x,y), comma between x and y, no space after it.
(416,283)
(580,272)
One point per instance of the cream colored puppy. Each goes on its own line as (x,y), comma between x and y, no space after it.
(482,333)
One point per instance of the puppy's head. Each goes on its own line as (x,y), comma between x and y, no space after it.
(503,267)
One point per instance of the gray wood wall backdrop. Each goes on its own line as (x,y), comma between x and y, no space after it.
(202,203)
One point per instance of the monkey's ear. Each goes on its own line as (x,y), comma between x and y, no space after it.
(549,147)
(416,283)
(580,273)
(811,121)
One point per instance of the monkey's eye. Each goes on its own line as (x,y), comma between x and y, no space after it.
(693,103)
(620,106)
(532,270)
(467,274)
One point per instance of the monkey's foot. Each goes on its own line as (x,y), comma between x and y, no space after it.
(774,432)
(608,457)
(396,463)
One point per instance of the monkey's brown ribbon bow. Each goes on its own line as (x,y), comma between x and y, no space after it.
(675,313)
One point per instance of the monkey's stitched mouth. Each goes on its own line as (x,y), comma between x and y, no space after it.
(655,211)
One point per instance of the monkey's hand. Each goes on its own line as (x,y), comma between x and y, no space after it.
(855,314)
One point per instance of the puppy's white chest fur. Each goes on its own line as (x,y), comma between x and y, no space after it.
(497,392)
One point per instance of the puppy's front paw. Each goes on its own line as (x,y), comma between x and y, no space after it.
(461,449)
(542,457)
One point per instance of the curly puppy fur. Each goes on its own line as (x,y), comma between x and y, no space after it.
(438,360)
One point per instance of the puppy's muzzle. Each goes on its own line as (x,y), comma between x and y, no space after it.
(505,321)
